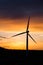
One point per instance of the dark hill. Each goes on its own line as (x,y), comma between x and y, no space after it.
(15,55)
(13,52)
(6,52)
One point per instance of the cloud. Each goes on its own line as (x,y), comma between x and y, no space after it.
(20,8)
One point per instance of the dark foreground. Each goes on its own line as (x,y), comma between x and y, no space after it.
(19,56)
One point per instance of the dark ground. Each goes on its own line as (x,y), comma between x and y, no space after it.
(19,56)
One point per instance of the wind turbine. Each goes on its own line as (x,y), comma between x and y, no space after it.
(27,34)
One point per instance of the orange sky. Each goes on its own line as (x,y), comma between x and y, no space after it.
(10,27)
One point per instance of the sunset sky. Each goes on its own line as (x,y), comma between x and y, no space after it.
(13,20)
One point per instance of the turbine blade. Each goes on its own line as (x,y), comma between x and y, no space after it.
(18,34)
(28,23)
(2,37)
(31,38)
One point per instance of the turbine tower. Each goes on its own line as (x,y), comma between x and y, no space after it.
(27,34)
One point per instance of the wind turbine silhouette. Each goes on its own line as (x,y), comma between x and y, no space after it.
(27,34)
